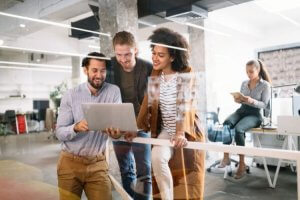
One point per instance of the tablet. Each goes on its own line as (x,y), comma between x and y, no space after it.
(100,116)
(238,95)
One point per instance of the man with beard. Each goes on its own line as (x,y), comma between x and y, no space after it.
(82,165)
(131,74)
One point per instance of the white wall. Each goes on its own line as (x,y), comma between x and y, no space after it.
(32,84)
(226,56)
(35,84)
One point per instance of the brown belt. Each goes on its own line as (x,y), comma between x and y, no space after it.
(84,159)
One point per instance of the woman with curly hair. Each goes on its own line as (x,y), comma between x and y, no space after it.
(179,172)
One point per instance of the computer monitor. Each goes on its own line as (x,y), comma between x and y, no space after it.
(41,106)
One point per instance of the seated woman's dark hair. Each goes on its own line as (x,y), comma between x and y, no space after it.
(171,38)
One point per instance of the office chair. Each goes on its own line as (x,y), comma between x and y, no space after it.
(213,118)
(10,122)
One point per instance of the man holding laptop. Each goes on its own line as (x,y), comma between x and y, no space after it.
(131,75)
(82,165)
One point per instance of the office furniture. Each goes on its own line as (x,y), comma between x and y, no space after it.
(21,124)
(289,125)
(10,122)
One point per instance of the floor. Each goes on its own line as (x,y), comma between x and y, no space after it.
(28,171)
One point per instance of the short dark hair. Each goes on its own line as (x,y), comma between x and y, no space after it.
(86,60)
(124,37)
(171,38)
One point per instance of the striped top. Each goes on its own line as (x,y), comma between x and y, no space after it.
(88,143)
(167,102)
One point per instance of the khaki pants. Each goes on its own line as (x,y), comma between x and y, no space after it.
(76,173)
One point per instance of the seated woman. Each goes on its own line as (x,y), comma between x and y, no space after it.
(257,93)
(179,172)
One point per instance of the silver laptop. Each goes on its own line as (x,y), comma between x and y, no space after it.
(100,116)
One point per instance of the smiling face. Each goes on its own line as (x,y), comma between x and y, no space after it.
(252,72)
(161,58)
(96,73)
(125,55)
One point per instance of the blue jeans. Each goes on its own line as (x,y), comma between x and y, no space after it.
(137,183)
(245,118)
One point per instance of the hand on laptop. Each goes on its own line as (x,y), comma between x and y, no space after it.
(115,133)
(129,136)
(81,126)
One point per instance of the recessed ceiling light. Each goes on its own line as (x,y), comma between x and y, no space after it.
(22,25)
(1,42)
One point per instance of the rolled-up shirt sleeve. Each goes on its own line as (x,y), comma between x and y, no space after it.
(117,96)
(261,94)
(265,98)
(65,122)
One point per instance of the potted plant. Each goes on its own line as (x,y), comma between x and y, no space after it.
(57,93)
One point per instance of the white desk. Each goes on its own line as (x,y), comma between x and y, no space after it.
(256,132)
(288,126)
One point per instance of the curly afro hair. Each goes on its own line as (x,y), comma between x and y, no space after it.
(171,38)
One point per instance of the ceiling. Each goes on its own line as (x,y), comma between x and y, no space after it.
(237,14)
(254,16)
(155,11)
(5,4)
(149,7)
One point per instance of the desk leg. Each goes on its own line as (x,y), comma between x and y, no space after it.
(292,147)
(265,164)
(279,163)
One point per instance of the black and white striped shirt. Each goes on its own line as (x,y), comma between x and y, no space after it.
(167,103)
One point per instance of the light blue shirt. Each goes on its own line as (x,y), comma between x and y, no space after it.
(261,93)
(89,143)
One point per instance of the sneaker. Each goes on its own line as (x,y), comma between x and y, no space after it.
(240,172)
(224,163)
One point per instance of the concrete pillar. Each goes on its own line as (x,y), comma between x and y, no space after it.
(197,61)
(116,15)
(76,67)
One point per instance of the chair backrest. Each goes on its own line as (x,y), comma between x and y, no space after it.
(212,116)
(267,111)
(10,115)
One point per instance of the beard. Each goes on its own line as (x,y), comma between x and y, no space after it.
(93,83)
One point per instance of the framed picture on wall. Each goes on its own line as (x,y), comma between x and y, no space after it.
(283,64)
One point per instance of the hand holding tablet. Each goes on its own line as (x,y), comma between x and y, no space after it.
(238,97)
